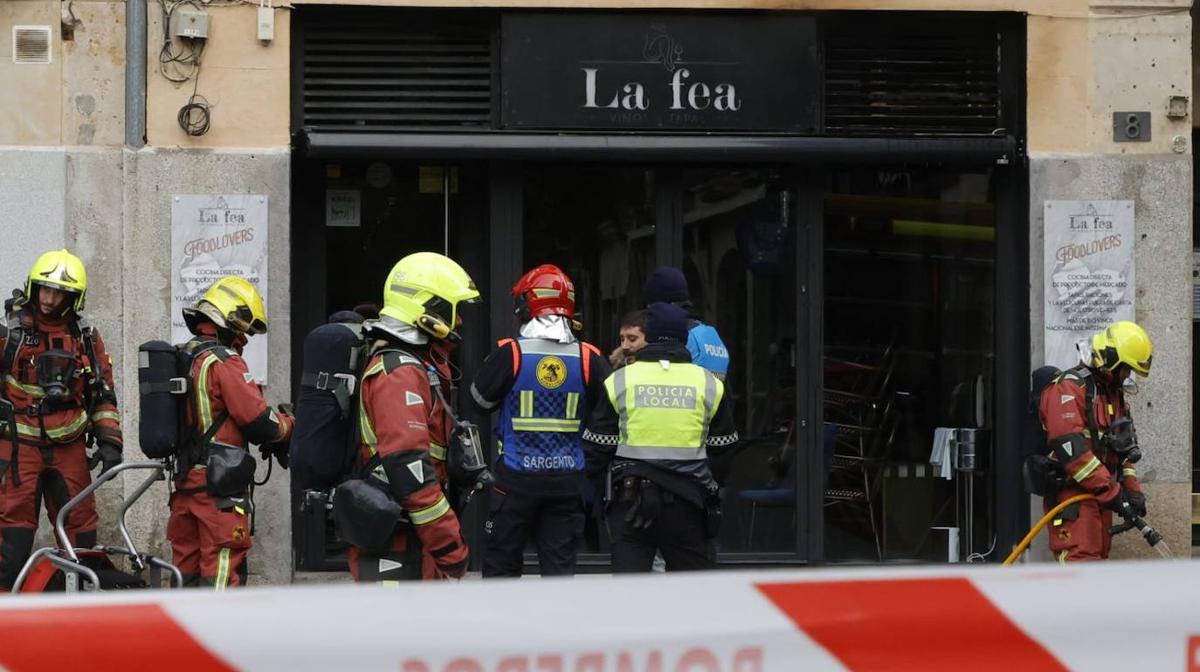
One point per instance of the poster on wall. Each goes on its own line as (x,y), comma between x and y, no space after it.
(343,207)
(1089,274)
(213,236)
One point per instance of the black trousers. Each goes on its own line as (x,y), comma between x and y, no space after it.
(554,523)
(678,531)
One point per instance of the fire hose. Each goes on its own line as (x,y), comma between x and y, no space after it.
(1132,521)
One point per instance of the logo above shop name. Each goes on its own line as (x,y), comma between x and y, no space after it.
(684,94)
(659,72)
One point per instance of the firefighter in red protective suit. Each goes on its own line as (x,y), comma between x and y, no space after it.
(209,527)
(1087,424)
(58,376)
(405,423)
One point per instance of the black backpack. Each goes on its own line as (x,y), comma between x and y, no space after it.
(164,387)
(325,437)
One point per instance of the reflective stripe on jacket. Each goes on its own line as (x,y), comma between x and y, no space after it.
(223,385)
(1063,413)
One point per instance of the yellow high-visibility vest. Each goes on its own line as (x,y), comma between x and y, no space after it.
(664,408)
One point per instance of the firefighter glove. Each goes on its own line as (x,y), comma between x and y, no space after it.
(1137,502)
(108,454)
(1119,504)
(279,450)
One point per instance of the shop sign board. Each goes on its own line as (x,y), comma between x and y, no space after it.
(664,72)
(1089,272)
(213,236)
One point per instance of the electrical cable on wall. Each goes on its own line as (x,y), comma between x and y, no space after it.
(194,116)
(182,65)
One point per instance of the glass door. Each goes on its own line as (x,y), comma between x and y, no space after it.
(352,220)
(739,256)
(597,224)
(732,231)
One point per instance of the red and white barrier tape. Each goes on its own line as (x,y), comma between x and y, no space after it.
(1112,616)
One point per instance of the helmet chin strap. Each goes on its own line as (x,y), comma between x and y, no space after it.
(439,352)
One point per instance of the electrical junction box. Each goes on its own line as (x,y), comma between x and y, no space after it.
(266,24)
(189,22)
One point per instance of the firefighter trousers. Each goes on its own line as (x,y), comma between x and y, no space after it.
(209,539)
(54,474)
(555,524)
(1080,532)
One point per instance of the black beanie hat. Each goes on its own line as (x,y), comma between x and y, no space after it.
(665,284)
(666,322)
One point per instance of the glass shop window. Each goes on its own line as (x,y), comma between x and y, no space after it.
(909,305)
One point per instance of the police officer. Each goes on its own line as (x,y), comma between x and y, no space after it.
(209,526)
(544,385)
(667,284)
(59,379)
(662,433)
(1090,436)
(405,421)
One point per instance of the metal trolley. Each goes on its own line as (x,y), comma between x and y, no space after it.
(92,569)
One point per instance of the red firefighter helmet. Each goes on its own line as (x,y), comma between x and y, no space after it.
(544,290)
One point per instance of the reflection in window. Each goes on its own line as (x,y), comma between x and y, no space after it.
(739,259)
(597,224)
(909,347)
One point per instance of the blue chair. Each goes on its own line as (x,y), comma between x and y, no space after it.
(782,494)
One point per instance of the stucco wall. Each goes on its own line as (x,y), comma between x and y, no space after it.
(1160,187)
(79,97)
(35,116)
(152,177)
(244,80)
(1080,73)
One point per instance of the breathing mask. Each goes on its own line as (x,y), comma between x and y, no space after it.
(1121,438)
(466,449)
(55,371)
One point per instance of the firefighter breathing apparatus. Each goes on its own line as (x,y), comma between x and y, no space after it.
(1121,347)
(1045,476)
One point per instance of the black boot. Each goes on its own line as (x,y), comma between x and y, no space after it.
(16,543)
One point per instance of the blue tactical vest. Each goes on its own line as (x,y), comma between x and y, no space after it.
(707,348)
(540,421)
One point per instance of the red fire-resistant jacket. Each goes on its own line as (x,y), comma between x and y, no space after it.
(41,423)
(1063,413)
(224,385)
(402,421)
